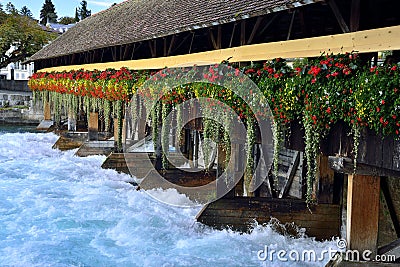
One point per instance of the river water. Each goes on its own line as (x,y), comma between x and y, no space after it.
(60,210)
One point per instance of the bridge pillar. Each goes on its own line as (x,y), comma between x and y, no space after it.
(363,212)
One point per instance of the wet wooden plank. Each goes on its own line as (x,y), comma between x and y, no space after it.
(242,212)
(346,165)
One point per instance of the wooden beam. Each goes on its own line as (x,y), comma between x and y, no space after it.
(255,29)
(47,111)
(363,212)
(152,48)
(126,51)
(182,42)
(291,25)
(338,15)
(212,38)
(171,44)
(290,174)
(346,165)
(191,42)
(390,205)
(268,24)
(165,46)
(219,37)
(93,126)
(362,41)
(233,34)
(355,15)
(326,179)
(243,32)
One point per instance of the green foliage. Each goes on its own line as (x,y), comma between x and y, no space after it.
(25,11)
(76,15)
(22,36)
(82,11)
(66,20)
(11,9)
(48,13)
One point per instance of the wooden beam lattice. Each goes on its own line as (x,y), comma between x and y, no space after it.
(362,41)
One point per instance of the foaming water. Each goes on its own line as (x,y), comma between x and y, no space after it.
(60,210)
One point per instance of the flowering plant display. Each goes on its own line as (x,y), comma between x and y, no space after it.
(318,93)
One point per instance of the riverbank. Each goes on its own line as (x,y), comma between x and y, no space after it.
(16,108)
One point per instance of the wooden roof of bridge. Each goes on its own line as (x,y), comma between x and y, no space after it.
(140,20)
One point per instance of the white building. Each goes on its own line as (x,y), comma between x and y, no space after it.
(21,71)
(24,71)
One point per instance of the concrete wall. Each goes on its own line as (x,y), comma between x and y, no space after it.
(10,98)
(13,85)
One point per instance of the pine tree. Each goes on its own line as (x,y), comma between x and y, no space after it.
(48,13)
(10,8)
(83,11)
(25,12)
(76,15)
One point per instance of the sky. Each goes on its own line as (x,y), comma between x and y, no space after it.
(64,8)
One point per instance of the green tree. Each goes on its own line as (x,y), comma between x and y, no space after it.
(66,20)
(48,13)
(76,15)
(83,11)
(10,8)
(25,12)
(20,38)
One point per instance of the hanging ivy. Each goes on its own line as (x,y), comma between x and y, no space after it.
(250,142)
(120,114)
(165,131)
(155,124)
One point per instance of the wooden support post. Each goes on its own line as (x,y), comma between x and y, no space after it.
(93,126)
(47,111)
(363,212)
(116,129)
(326,181)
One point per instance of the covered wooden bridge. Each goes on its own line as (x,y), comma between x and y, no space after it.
(146,36)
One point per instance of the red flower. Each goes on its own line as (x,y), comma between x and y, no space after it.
(378,109)
(335,74)
(394,117)
(394,67)
(328,110)
(383,102)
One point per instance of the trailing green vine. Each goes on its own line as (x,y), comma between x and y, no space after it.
(119,110)
(165,131)
(250,142)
